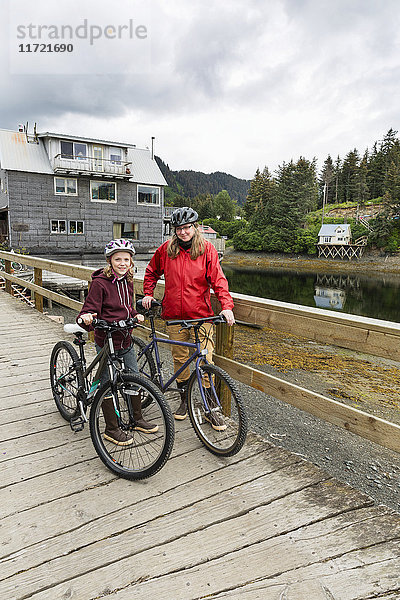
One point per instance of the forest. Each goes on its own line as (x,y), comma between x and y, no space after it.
(283,211)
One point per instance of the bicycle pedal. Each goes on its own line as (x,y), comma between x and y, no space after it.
(77,424)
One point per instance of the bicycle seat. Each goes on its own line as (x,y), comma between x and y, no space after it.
(141,309)
(73,328)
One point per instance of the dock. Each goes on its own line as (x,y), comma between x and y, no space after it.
(262,525)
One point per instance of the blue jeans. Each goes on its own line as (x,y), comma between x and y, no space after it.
(130,362)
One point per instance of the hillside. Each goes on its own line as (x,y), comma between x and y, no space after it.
(193,183)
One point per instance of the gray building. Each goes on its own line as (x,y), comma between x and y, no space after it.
(62,194)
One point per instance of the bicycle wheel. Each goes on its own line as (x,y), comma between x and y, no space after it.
(222,424)
(66,376)
(148,452)
(145,360)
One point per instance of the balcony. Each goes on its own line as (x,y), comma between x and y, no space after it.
(88,165)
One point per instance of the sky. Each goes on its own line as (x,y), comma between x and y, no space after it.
(222,85)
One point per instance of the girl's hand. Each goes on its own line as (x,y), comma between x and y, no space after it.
(140,318)
(87,318)
(228,314)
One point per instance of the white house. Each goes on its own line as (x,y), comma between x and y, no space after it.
(335,234)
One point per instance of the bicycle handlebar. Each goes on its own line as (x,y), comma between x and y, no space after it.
(188,323)
(115,325)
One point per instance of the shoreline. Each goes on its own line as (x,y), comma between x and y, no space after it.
(374,263)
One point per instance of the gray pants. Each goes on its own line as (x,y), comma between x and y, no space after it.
(130,362)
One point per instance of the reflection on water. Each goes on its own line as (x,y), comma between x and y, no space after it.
(377,297)
(325,297)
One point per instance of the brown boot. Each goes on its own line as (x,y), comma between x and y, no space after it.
(214,416)
(112,432)
(140,423)
(181,413)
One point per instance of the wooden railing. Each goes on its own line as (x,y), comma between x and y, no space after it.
(370,336)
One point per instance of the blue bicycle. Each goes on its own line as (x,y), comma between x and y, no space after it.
(215,406)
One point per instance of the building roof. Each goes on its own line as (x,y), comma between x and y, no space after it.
(331,229)
(78,138)
(16,154)
(144,168)
(206,229)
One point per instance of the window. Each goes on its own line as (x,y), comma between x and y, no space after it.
(115,156)
(148,195)
(103,191)
(67,187)
(129,231)
(76,227)
(58,226)
(73,150)
(327,240)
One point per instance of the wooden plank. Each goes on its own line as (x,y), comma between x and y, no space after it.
(64,300)
(69,269)
(161,524)
(182,525)
(363,424)
(213,553)
(312,544)
(43,522)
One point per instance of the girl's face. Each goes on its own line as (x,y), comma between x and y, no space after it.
(120,262)
(186,232)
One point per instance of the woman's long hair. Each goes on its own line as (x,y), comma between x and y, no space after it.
(198,244)
(108,271)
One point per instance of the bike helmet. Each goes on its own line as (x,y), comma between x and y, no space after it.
(119,245)
(183,216)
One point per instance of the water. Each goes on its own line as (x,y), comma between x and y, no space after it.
(377,297)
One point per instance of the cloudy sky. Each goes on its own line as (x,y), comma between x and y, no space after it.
(223,85)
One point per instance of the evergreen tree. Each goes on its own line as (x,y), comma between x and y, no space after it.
(253,198)
(326,182)
(361,189)
(349,175)
(224,206)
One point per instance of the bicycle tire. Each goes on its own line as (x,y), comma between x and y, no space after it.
(66,377)
(228,410)
(145,360)
(148,452)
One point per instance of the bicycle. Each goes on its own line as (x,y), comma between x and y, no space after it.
(210,389)
(15,266)
(76,387)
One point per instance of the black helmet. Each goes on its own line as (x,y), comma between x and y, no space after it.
(184,215)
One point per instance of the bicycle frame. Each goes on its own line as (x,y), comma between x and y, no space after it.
(199,356)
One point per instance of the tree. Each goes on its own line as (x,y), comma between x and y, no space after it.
(254,196)
(349,175)
(224,206)
(327,178)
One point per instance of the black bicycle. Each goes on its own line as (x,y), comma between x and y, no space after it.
(76,387)
(216,409)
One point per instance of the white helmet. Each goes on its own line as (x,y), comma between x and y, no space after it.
(119,245)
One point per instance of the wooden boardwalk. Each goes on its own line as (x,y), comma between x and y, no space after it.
(261,525)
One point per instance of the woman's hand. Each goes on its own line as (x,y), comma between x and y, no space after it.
(229,317)
(140,318)
(87,318)
(147,300)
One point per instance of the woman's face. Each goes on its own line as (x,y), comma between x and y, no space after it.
(120,262)
(185,232)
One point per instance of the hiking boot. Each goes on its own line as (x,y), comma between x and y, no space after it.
(118,437)
(112,432)
(140,423)
(214,415)
(181,413)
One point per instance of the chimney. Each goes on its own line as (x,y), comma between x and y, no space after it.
(152,146)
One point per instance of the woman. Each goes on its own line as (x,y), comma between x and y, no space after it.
(110,298)
(190,267)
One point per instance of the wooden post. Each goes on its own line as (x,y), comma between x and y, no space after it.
(224,347)
(8,269)
(38,281)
